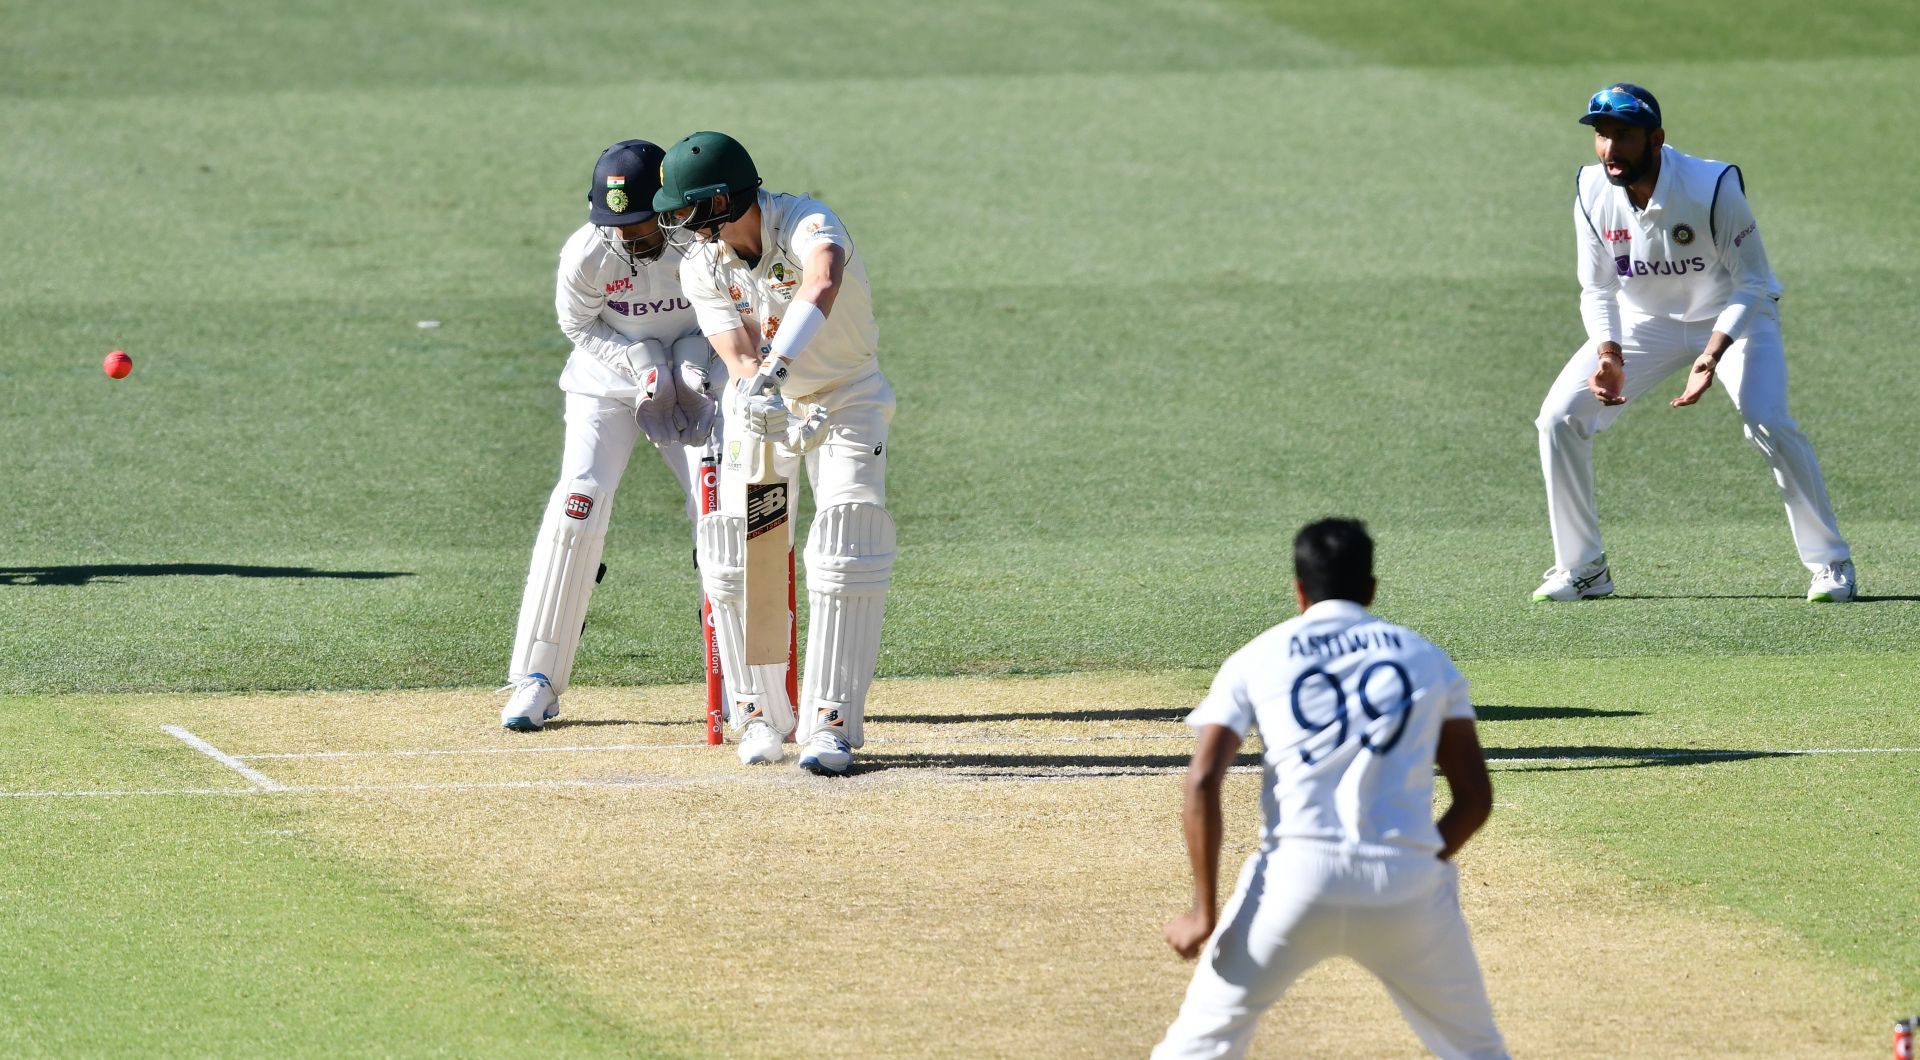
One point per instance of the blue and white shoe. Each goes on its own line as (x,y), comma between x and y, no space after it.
(760,744)
(826,754)
(531,706)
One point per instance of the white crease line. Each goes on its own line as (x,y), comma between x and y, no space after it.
(1777,752)
(260,780)
(957,741)
(130,792)
(481,751)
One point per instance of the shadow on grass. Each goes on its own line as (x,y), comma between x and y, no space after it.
(111,572)
(594,723)
(1062,766)
(1751,596)
(1491,712)
(1036,765)
(1563,759)
(1704,596)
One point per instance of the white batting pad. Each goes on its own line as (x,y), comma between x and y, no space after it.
(566,559)
(849,563)
(756,691)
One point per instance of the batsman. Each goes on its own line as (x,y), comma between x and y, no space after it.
(781,294)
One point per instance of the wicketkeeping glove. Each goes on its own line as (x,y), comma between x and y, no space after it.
(658,408)
(694,407)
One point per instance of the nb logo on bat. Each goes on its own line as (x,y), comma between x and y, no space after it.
(766,508)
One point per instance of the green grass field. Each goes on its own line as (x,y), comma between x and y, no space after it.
(1156,283)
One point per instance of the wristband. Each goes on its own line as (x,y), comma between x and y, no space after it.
(802,321)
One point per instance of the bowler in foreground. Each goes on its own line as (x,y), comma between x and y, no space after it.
(1354,713)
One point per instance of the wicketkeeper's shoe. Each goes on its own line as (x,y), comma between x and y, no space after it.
(531,706)
(1832,584)
(1588,583)
(826,754)
(760,745)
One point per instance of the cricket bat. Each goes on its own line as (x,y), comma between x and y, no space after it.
(769,556)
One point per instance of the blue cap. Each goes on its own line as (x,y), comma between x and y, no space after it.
(624,181)
(1624,102)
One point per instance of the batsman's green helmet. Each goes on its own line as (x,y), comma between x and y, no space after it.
(701,166)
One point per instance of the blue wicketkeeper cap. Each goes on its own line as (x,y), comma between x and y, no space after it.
(1626,102)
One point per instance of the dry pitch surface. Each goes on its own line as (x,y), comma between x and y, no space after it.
(991,883)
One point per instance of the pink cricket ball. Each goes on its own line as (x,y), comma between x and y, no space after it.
(117,364)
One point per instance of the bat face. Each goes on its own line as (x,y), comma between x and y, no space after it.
(769,543)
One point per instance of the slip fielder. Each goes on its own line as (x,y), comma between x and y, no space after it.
(1672,273)
(1354,714)
(639,366)
(782,294)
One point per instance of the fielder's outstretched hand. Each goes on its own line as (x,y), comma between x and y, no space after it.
(1699,380)
(1188,932)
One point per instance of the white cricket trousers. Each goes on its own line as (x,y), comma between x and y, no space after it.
(601,436)
(1753,372)
(1307,900)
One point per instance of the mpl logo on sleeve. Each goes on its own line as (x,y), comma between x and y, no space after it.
(579,506)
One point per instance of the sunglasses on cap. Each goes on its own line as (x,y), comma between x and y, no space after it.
(1616,102)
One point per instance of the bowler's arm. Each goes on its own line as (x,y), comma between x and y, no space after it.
(1465,766)
(1201,820)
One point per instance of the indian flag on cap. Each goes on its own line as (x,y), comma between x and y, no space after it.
(615,180)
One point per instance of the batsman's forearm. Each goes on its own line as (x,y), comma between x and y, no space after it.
(1202,821)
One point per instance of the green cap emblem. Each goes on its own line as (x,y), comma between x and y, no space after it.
(617,201)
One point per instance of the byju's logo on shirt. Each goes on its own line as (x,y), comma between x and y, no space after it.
(1626,266)
(640,309)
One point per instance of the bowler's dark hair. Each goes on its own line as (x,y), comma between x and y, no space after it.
(1333,559)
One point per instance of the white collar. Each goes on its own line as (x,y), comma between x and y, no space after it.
(1335,609)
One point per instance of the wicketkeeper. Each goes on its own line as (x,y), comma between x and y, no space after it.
(639,367)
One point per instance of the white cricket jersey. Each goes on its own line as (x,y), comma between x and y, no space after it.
(1349,708)
(728,293)
(605,305)
(1693,253)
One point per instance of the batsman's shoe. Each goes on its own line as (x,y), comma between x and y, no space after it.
(826,754)
(531,706)
(1563,585)
(1832,584)
(760,745)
